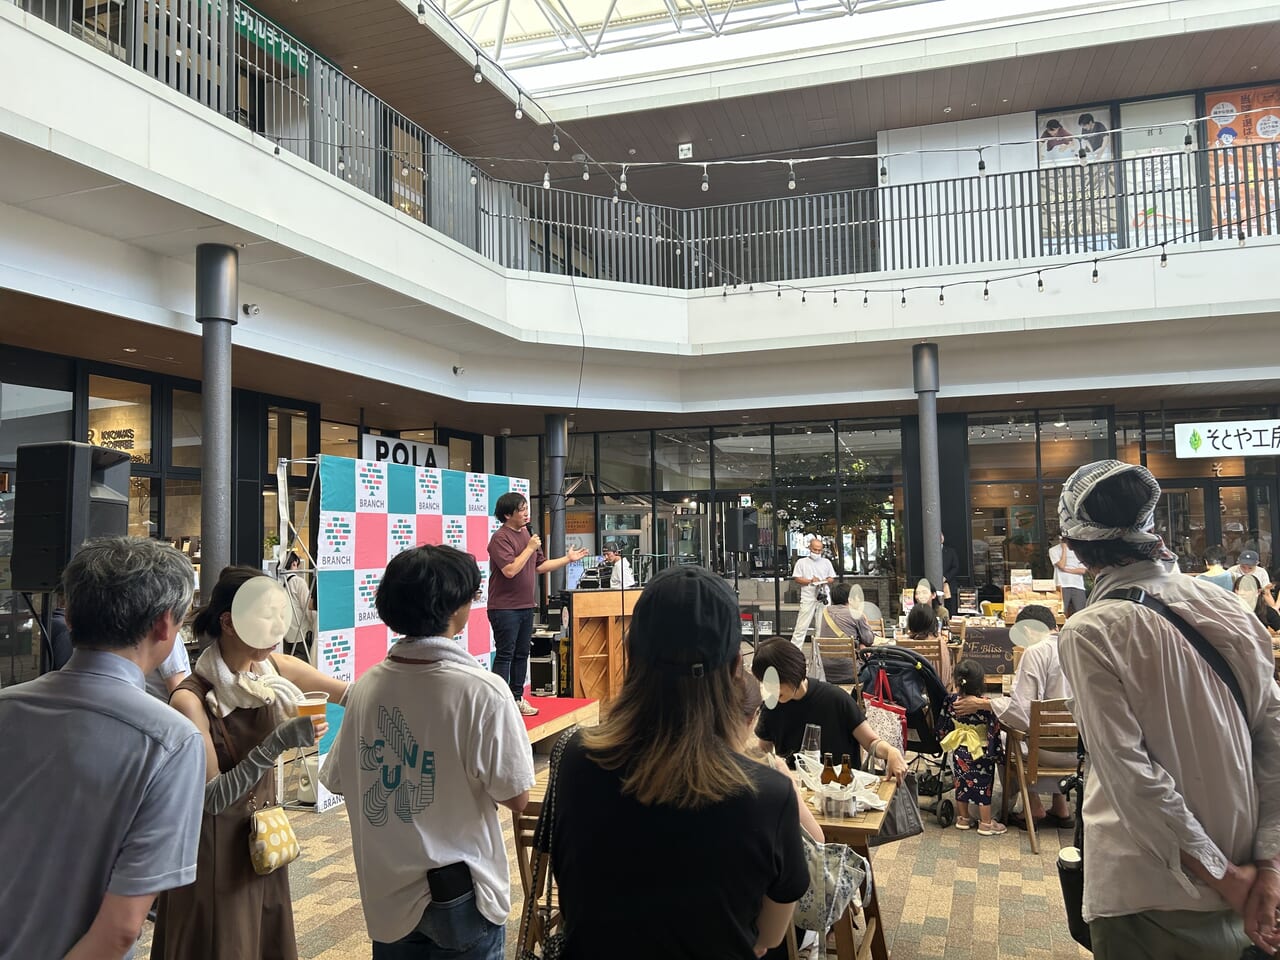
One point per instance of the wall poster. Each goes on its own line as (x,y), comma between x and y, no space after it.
(1244,160)
(1077,200)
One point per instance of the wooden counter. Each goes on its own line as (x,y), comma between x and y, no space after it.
(598,621)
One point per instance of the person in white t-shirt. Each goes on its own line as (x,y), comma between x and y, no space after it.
(1068,574)
(813,573)
(430,744)
(620,575)
(1247,565)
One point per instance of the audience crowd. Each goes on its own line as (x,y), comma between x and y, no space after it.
(1169,677)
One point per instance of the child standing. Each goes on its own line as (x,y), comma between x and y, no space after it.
(974,745)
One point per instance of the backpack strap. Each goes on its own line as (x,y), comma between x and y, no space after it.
(1202,646)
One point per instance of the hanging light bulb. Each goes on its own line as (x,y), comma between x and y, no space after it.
(615,200)
(474,178)
(791,177)
(986,289)
(404,168)
(519,106)
(422,13)
(586,172)
(1084,156)
(1039,282)
(865,300)
(555,139)
(1188,142)
(942,298)
(982,164)
(706,179)
(342,162)
(779,293)
(478,77)
(804,296)
(546,179)
(904,298)
(725,295)
(277,148)
(1095,271)
(834,301)
(1164,257)
(884,172)
(1061,421)
(622,182)
(1241,238)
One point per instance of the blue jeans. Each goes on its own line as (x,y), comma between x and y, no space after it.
(456,930)
(512,633)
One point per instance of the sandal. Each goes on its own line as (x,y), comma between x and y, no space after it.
(1019,821)
(963,823)
(992,828)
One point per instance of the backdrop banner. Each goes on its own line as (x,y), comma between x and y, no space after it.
(369,512)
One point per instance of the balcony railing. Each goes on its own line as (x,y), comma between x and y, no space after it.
(233,60)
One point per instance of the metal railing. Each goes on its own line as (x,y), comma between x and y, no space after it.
(233,60)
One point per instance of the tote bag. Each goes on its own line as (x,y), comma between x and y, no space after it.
(836,872)
(887,719)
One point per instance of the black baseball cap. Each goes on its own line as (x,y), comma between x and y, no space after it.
(1248,558)
(686,621)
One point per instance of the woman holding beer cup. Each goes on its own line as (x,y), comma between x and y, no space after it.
(249,703)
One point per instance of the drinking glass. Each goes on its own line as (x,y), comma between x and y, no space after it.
(811,744)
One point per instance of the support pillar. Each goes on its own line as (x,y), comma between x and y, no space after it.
(924,368)
(217,310)
(557,453)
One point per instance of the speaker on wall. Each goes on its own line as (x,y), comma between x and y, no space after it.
(66,493)
(741,531)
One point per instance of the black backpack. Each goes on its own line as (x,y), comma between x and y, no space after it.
(915,685)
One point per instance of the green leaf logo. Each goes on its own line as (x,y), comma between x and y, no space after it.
(1195,440)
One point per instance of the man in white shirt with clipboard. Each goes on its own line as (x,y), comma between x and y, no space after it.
(813,573)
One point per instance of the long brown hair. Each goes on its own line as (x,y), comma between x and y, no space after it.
(674,736)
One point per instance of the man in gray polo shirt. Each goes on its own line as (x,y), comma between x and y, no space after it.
(103,784)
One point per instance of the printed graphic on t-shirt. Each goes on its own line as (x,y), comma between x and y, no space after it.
(406,781)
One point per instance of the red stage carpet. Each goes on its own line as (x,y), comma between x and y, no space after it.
(552,708)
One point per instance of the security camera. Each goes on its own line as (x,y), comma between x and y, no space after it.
(251,309)
(505,431)
(459,371)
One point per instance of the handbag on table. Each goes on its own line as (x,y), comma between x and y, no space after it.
(537,942)
(902,816)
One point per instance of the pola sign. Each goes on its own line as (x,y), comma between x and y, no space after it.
(407,452)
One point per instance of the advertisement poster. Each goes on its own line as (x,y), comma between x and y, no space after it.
(1077,201)
(1244,161)
(1161,200)
(369,512)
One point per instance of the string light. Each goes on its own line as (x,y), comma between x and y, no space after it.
(478,77)
(865,299)
(942,298)
(1095,271)
(1084,156)
(1164,257)
(342,161)
(804,297)
(791,177)
(834,301)
(546,179)
(404,168)
(277,151)
(1039,282)
(904,298)
(884,172)
(615,200)
(986,289)
(1188,143)
(519,105)
(982,164)
(1241,238)
(422,13)
(779,292)
(706,179)
(622,183)
(474,178)
(586,172)
(555,139)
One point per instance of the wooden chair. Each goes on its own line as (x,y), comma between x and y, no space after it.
(1052,730)
(876,625)
(524,827)
(839,648)
(928,649)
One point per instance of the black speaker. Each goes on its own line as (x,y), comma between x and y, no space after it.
(741,531)
(66,493)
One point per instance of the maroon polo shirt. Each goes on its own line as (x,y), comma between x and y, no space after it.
(518,592)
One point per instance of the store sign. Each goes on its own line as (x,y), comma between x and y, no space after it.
(407,452)
(1240,438)
(264,34)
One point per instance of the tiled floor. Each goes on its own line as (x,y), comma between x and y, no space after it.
(946,893)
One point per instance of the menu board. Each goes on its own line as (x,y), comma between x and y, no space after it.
(991,647)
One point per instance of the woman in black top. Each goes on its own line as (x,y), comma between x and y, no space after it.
(667,842)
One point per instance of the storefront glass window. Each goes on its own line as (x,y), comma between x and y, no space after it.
(1002,446)
(271,523)
(120,416)
(743,459)
(1129,437)
(286,437)
(581,460)
(624,461)
(682,459)
(522,461)
(1006,532)
(806,454)
(870,452)
(1070,438)
(182,516)
(144,507)
(338,439)
(186,420)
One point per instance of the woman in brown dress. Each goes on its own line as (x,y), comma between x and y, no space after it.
(238,699)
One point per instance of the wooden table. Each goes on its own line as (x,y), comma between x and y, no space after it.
(855,831)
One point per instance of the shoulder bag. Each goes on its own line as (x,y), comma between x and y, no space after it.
(537,920)
(1071,870)
(836,874)
(272,842)
(887,719)
(902,816)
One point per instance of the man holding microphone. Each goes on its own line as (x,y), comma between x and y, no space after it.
(515,560)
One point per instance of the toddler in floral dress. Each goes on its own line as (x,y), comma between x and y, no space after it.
(974,745)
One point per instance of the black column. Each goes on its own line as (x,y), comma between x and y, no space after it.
(557,453)
(217,305)
(924,365)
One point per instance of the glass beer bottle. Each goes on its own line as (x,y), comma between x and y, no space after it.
(828,771)
(845,777)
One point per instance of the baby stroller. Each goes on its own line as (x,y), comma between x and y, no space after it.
(918,689)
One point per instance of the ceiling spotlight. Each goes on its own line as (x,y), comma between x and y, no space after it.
(706,182)
(622,182)
(555,139)
(459,371)
(519,106)
(546,179)
(791,177)
(422,13)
